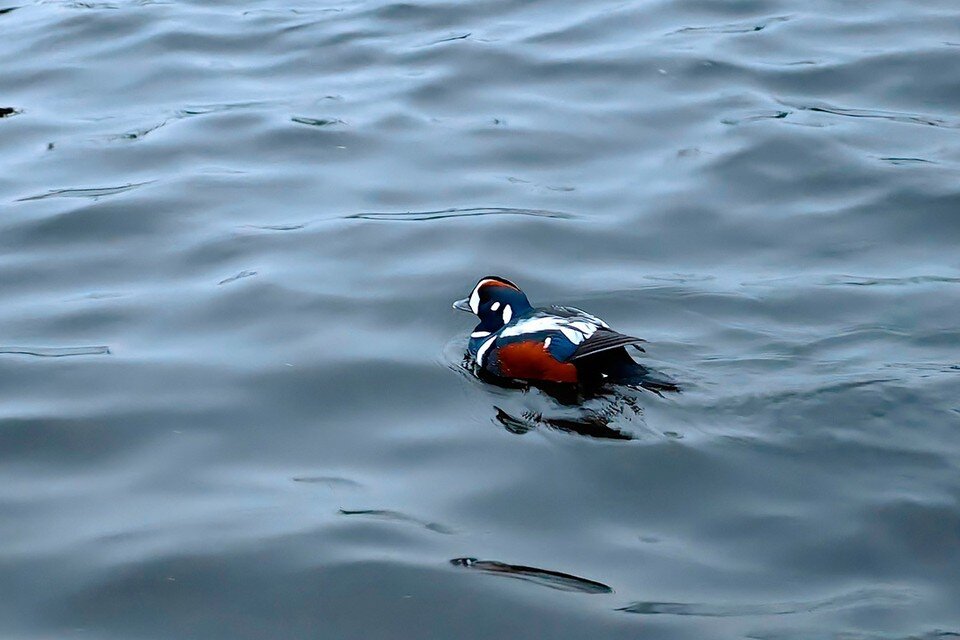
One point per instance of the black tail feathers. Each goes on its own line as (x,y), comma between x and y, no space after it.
(617,367)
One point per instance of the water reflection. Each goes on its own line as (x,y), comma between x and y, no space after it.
(853,599)
(545,577)
(396,516)
(608,413)
(771,201)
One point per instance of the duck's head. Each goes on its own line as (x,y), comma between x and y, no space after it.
(496,301)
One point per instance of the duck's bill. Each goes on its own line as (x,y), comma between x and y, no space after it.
(463,305)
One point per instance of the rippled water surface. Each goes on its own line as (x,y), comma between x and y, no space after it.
(231,400)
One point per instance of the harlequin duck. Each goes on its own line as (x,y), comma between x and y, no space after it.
(553,345)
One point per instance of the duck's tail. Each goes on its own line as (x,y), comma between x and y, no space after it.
(617,367)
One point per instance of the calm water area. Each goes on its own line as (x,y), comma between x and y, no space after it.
(231,397)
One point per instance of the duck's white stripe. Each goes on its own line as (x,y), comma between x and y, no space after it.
(532,325)
(575,331)
(482,351)
(479,334)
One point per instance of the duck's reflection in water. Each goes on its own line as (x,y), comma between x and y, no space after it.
(609,413)
(591,426)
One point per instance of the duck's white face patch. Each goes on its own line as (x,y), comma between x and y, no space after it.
(475,296)
(475,300)
(507,314)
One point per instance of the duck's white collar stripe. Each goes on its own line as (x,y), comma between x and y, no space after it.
(482,351)
(479,334)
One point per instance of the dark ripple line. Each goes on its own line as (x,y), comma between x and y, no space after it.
(545,577)
(412,216)
(296,12)
(239,276)
(459,213)
(217,107)
(90,192)
(936,634)
(892,116)
(707,610)
(181,114)
(277,227)
(396,516)
(56,352)
(774,115)
(906,161)
(450,39)
(330,481)
(317,122)
(734,27)
(857,281)
(138,134)
(91,5)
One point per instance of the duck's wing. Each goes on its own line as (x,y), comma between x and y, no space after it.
(596,334)
(573,314)
(573,333)
(604,339)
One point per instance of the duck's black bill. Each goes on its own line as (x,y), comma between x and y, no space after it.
(463,305)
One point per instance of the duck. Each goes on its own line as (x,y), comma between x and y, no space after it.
(557,346)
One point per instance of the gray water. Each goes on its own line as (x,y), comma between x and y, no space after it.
(231,400)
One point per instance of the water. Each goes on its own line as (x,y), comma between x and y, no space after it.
(230,399)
